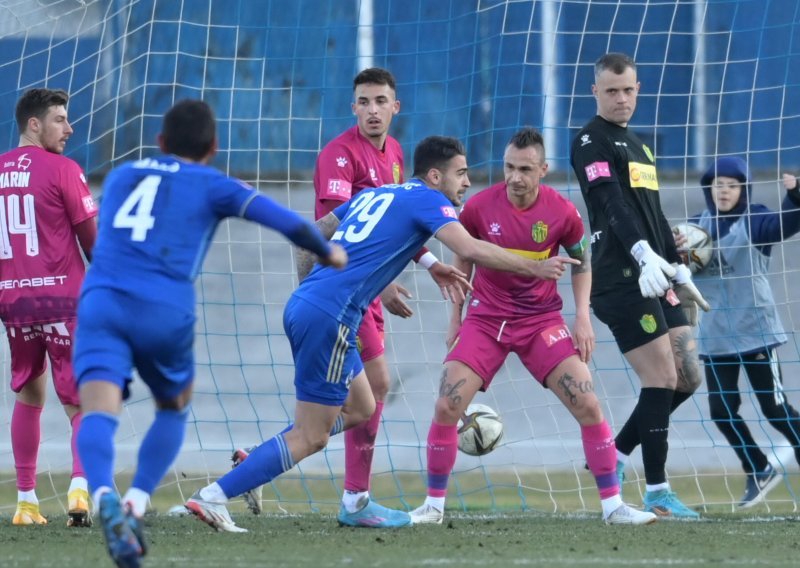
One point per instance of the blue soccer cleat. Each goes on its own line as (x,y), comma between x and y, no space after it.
(758,485)
(620,474)
(124,546)
(665,504)
(374,516)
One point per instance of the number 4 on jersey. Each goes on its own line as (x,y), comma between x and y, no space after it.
(141,199)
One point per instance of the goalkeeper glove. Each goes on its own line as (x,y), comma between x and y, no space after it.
(654,271)
(688,294)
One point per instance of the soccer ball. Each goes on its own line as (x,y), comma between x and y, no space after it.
(479,431)
(697,251)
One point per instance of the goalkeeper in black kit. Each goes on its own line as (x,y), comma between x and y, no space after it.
(640,288)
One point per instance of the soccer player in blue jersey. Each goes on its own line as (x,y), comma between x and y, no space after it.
(157,219)
(381,230)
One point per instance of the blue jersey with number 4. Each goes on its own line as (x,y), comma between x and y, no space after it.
(381,229)
(157,219)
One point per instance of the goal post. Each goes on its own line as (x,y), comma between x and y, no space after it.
(718,77)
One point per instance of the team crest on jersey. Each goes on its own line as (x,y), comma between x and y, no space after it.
(648,152)
(539,231)
(341,161)
(648,323)
(24,162)
(396,172)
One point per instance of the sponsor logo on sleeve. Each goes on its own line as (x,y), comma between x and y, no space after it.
(88,204)
(341,161)
(449,212)
(597,170)
(340,188)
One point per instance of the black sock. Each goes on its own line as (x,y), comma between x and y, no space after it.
(653,420)
(628,437)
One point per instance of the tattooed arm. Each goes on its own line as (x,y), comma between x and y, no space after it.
(305,259)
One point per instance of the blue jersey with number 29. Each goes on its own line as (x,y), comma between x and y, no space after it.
(157,219)
(381,229)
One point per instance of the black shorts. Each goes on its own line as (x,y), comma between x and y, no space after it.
(635,320)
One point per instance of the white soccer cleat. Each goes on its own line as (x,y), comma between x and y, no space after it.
(213,514)
(253,496)
(426,515)
(626,515)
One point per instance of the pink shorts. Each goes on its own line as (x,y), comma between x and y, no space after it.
(30,344)
(541,342)
(370,339)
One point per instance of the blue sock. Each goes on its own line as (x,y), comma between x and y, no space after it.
(159,448)
(264,464)
(96,448)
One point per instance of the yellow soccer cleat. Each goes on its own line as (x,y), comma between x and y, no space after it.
(78,509)
(28,514)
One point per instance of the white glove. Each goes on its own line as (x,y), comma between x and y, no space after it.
(688,293)
(654,271)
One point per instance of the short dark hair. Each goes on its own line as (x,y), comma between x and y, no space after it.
(189,129)
(616,62)
(435,152)
(36,103)
(374,76)
(528,136)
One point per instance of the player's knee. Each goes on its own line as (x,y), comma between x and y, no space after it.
(447,411)
(719,410)
(773,412)
(363,412)
(588,411)
(690,378)
(317,442)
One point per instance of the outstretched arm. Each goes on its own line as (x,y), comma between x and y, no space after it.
(483,253)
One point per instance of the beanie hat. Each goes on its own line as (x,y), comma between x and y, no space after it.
(733,167)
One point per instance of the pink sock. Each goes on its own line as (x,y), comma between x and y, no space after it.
(442,450)
(77,467)
(26,432)
(601,457)
(359,445)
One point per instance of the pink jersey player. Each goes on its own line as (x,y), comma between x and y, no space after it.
(45,196)
(509,313)
(46,209)
(349,163)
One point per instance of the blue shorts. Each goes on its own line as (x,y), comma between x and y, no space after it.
(326,358)
(117,332)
